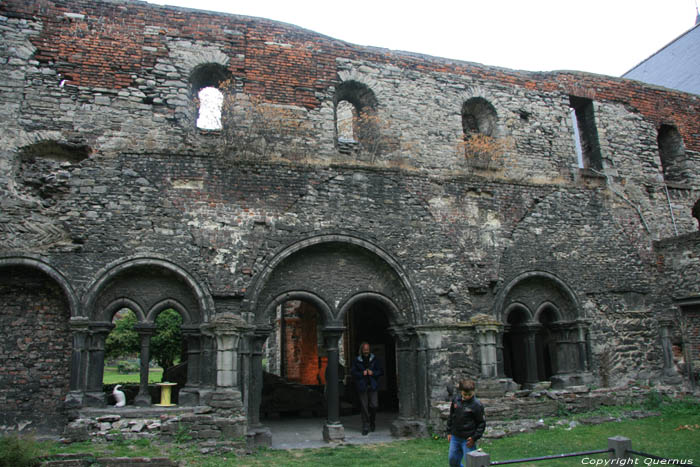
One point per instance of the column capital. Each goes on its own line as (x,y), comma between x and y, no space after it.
(145,329)
(79,323)
(100,327)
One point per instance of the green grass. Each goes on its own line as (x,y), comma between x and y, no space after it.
(673,434)
(112,377)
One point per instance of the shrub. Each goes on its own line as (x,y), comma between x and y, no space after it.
(18,452)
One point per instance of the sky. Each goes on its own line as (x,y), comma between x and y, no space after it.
(607,37)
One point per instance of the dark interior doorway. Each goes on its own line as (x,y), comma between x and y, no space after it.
(368,321)
(515,346)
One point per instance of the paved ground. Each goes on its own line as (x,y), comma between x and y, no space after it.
(299,433)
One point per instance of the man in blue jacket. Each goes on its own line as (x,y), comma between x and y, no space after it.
(366,370)
(466,423)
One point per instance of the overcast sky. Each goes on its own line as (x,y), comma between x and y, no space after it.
(599,36)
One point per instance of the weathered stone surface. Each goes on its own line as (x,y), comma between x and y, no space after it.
(514,264)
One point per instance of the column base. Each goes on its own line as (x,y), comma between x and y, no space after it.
(188,396)
(74,400)
(257,437)
(142,400)
(562,381)
(408,428)
(333,432)
(95,399)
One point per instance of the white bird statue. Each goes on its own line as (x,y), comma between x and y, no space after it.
(119,396)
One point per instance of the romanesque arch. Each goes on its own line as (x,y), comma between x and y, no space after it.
(37,304)
(341,275)
(545,333)
(147,286)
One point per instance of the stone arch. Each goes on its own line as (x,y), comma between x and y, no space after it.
(549,342)
(259,290)
(479,117)
(119,269)
(335,272)
(356,124)
(34,263)
(205,83)
(389,305)
(37,311)
(120,303)
(169,303)
(310,297)
(565,292)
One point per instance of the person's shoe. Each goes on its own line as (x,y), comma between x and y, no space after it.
(364,432)
(371,427)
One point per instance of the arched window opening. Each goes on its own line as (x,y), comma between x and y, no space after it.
(206,81)
(168,349)
(210,104)
(515,346)
(356,121)
(671,152)
(478,118)
(295,363)
(545,345)
(585,133)
(122,351)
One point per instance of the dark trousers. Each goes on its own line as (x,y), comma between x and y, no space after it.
(368,407)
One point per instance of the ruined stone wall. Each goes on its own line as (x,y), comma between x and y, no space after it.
(101,162)
(35,349)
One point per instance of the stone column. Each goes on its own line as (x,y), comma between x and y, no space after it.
(79,360)
(665,327)
(207,371)
(500,364)
(98,332)
(531,366)
(258,435)
(408,377)
(228,329)
(423,410)
(487,349)
(583,364)
(145,331)
(333,430)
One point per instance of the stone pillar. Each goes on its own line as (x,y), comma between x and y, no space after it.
(258,435)
(488,351)
(145,331)
(228,329)
(583,364)
(531,364)
(669,369)
(333,430)
(207,371)
(189,395)
(98,331)
(408,377)
(500,365)
(79,361)
(423,410)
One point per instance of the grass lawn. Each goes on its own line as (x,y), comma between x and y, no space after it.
(111,376)
(673,434)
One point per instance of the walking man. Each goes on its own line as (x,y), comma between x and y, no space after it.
(466,423)
(366,370)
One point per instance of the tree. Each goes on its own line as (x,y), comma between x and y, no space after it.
(123,341)
(166,344)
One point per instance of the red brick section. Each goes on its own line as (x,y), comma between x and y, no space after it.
(283,63)
(303,364)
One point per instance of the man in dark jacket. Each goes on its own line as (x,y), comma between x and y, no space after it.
(366,371)
(466,423)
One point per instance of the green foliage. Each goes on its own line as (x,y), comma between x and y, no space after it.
(124,367)
(18,452)
(123,341)
(166,344)
(653,400)
(112,376)
(182,435)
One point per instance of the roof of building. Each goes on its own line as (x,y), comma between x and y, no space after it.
(675,66)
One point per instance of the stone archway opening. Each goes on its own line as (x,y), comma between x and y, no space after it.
(545,345)
(368,321)
(294,363)
(515,346)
